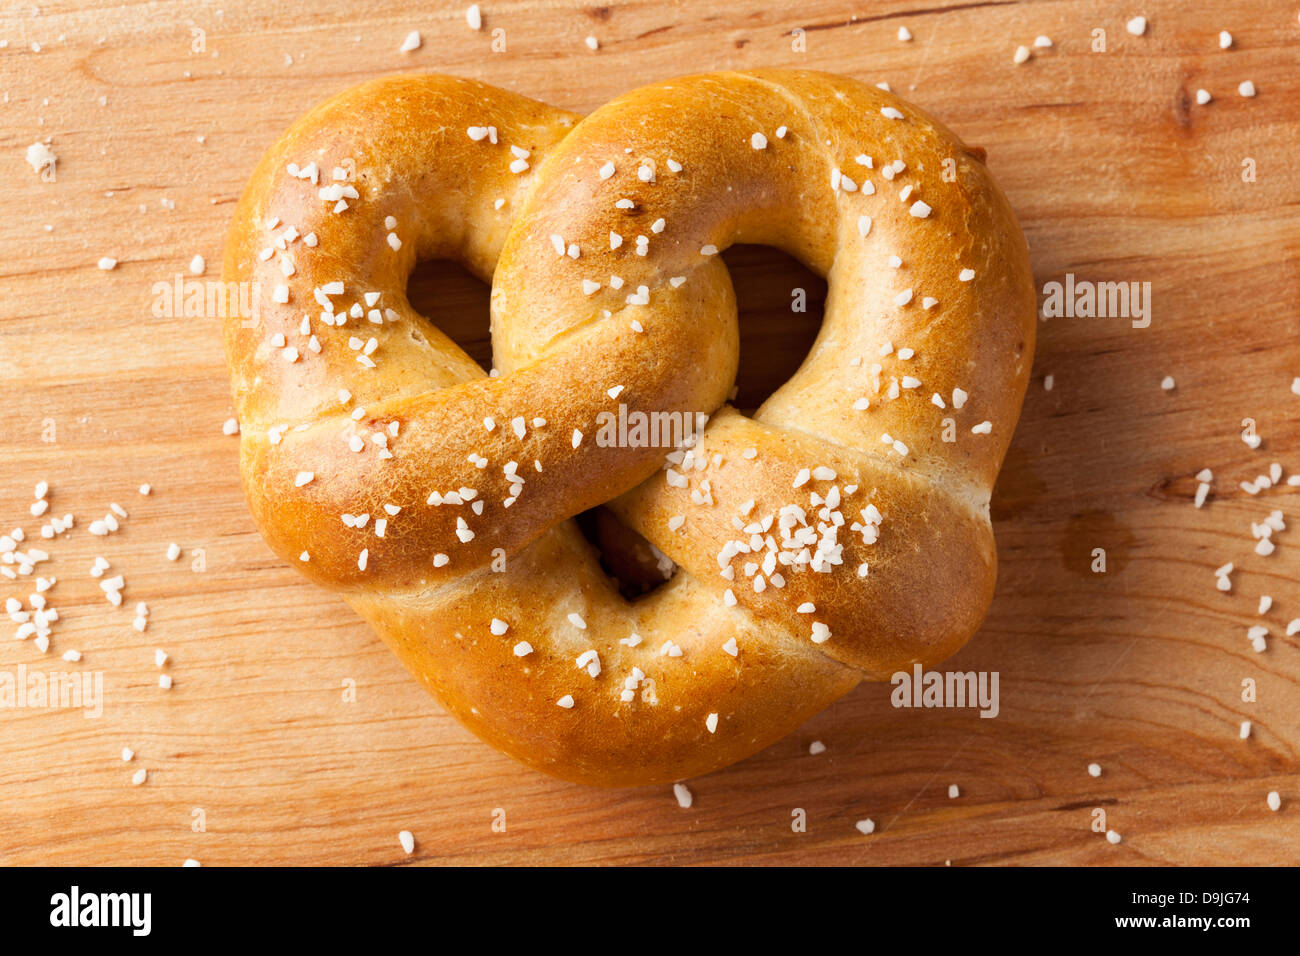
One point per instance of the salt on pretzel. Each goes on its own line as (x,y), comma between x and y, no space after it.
(841,533)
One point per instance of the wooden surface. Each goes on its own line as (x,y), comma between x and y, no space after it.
(1116,174)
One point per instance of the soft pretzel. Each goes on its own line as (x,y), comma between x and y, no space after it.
(841,533)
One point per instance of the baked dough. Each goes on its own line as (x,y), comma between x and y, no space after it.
(835,536)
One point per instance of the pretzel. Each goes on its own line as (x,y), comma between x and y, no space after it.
(841,533)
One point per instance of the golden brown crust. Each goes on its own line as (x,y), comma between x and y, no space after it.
(855,529)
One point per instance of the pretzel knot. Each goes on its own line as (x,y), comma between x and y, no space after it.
(841,533)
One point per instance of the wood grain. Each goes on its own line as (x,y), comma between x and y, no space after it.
(1116,174)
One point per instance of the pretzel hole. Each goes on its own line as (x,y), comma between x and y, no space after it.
(635,565)
(775,336)
(457,302)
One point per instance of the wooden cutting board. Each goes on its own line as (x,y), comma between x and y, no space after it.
(157,114)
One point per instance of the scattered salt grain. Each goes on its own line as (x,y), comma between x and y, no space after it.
(40,157)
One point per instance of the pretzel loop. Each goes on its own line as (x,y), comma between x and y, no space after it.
(840,533)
